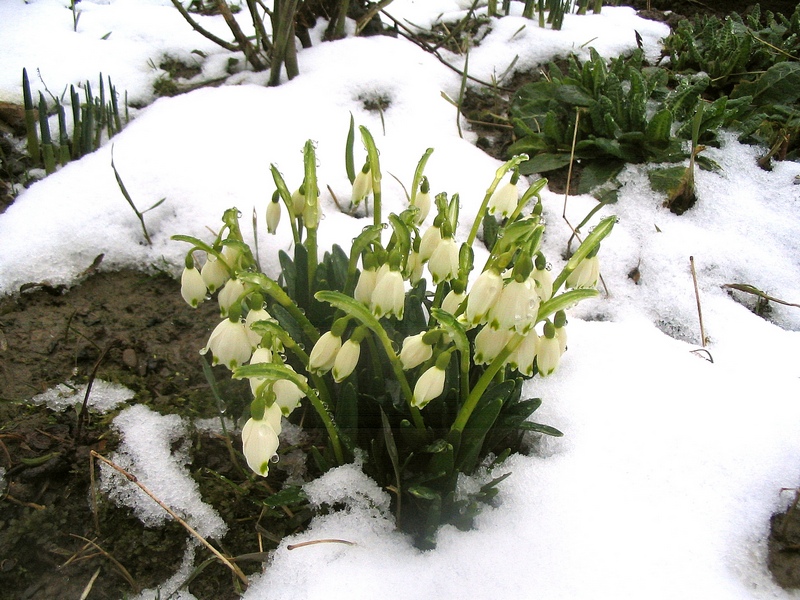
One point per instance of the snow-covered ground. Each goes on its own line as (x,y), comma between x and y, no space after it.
(670,466)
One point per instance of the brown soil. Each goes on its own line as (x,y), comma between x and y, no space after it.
(136,330)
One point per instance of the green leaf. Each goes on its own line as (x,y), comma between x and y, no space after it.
(476,429)
(659,128)
(598,172)
(538,427)
(424,493)
(779,85)
(288,496)
(541,163)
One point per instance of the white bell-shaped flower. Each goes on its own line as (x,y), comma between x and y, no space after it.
(482,296)
(389,295)
(229,295)
(365,286)
(423,202)
(324,352)
(585,274)
(415,351)
(273,215)
(504,200)
(260,355)
(259,444)
(254,316)
(193,288)
(489,343)
(430,385)
(229,344)
(516,308)
(443,263)
(214,273)
(430,240)
(362,186)
(287,395)
(548,354)
(452,301)
(523,355)
(346,360)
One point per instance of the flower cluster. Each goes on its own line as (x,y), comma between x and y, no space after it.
(382,345)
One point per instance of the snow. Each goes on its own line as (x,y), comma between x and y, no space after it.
(670,465)
(105,396)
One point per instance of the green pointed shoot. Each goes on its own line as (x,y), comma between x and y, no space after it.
(286,196)
(349,165)
(499,174)
(48,152)
(375,169)
(275,372)
(311,213)
(597,235)
(30,120)
(77,125)
(360,312)
(63,138)
(533,190)
(415,183)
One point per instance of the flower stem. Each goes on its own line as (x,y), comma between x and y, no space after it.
(480,387)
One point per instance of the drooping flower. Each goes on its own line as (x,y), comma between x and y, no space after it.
(443,263)
(260,356)
(489,343)
(542,281)
(362,185)
(452,301)
(414,266)
(389,295)
(287,395)
(504,200)
(323,354)
(521,358)
(483,295)
(259,444)
(214,273)
(346,360)
(299,201)
(254,316)
(430,240)
(229,294)
(423,202)
(415,351)
(430,385)
(516,308)
(549,351)
(365,286)
(193,288)
(585,274)
(229,344)
(273,213)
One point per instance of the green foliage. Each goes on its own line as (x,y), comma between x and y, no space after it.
(94,120)
(611,107)
(447,404)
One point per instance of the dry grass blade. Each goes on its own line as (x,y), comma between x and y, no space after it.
(132,478)
(123,571)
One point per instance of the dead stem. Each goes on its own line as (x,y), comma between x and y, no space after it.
(314,542)
(132,478)
(697,298)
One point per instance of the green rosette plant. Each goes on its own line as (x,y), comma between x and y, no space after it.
(402,354)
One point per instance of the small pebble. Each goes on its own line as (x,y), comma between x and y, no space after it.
(129,358)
